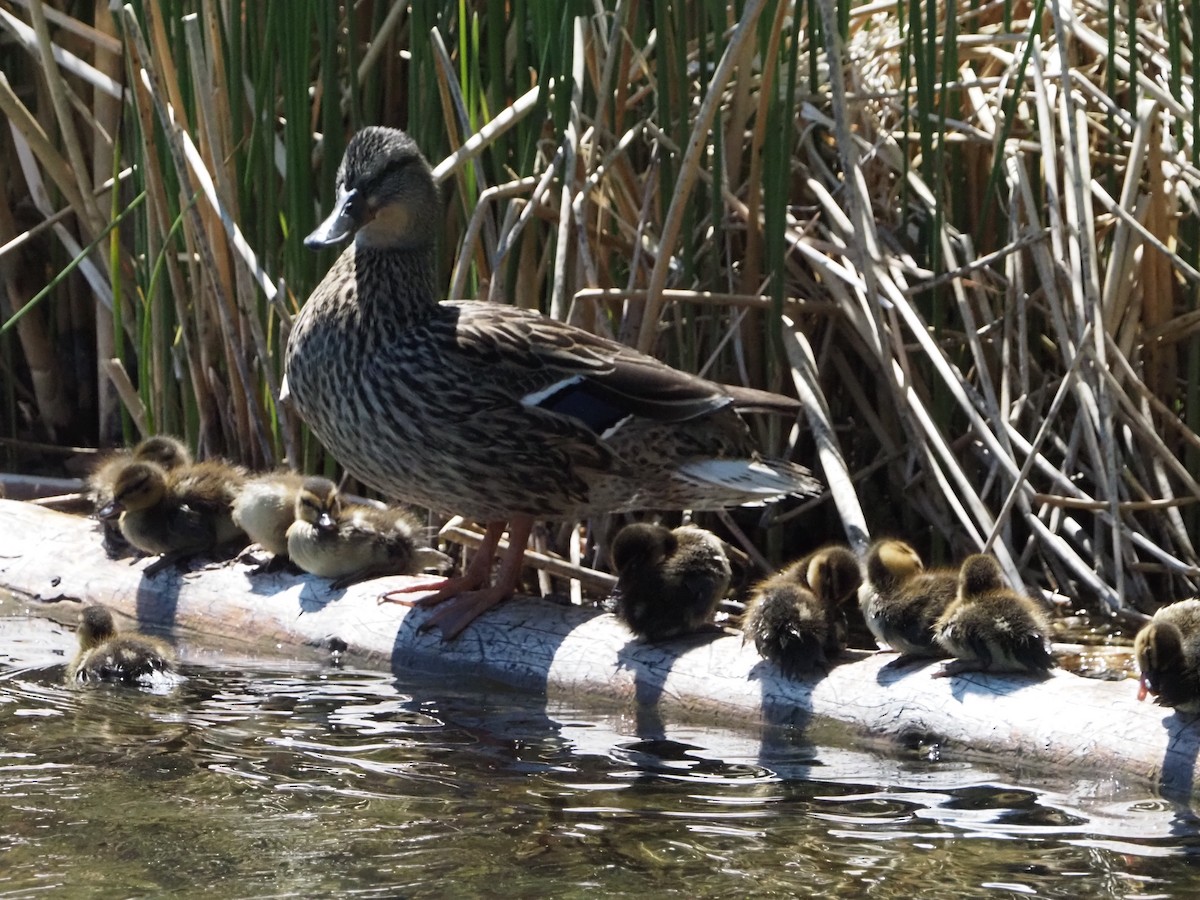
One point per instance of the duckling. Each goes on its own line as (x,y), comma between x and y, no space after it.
(177,513)
(900,600)
(669,582)
(797,616)
(493,411)
(169,452)
(351,543)
(106,656)
(265,508)
(990,627)
(1168,655)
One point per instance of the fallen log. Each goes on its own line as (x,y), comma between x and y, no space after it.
(1064,720)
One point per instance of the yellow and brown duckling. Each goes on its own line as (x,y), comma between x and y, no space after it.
(990,627)
(900,600)
(797,617)
(168,452)
(177,513)
(669,582)
(351,542)
(1168,656)
(493,411)
(105,655)
(265,508)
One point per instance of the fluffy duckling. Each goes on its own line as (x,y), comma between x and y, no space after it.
(990,627)
(169,452)
(1168,655)
(106,656)
(351,542)
(668,581)
(265,508)
(900,600)
(180,512)
(797,616)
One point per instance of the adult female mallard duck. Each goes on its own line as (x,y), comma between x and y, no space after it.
(350,542)
(900,600)
(490,411)
(797,617)
(169,452)
(265,507)
(1168,656)
(991,628)
(106,656)
(177,513)
(669,581)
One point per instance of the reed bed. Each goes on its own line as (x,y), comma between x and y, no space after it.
(966,238)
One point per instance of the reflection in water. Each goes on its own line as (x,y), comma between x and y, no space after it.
(283,778)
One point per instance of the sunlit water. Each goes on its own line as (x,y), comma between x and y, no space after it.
(286,778)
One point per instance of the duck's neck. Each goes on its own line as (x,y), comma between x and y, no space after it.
(395,284)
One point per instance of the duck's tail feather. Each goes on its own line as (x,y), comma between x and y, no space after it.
(749,482)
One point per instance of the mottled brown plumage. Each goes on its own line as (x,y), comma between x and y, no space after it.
(350,542)
(797,617)
(991,628)
(669,581)
(490,411)
(105,655)
(1168,655)
(900,600)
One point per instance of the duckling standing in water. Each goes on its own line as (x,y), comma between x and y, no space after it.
(265,508)
(351,543)
(669,582)
(990,627)
(797,616)
(106,656)
(900,600)
(177,513)
(170,453)
(1168,655)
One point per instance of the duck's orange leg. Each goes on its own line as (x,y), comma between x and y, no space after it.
(464,608)
(476,575)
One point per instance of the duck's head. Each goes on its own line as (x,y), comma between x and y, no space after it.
(980,574)
(168,452)
(318,504)
(642,544)
(891,560)
(385,196)
(138,485)
(833,575)
(95,626)
(1159,651)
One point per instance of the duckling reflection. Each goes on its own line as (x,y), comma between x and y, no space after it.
(797,617)
(990,627)
(669,582)
(350,542)
(1168,655)
(105,655)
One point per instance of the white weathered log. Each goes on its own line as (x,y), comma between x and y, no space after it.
(1083,725)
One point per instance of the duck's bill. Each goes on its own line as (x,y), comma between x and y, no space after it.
(1143,688)
(338,226)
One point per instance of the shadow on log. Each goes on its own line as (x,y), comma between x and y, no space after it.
(1078,724)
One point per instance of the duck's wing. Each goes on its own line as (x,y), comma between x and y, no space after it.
(565,370)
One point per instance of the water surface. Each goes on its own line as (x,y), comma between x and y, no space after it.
(286,775)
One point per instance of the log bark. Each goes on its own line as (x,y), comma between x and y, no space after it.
(1087,727)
